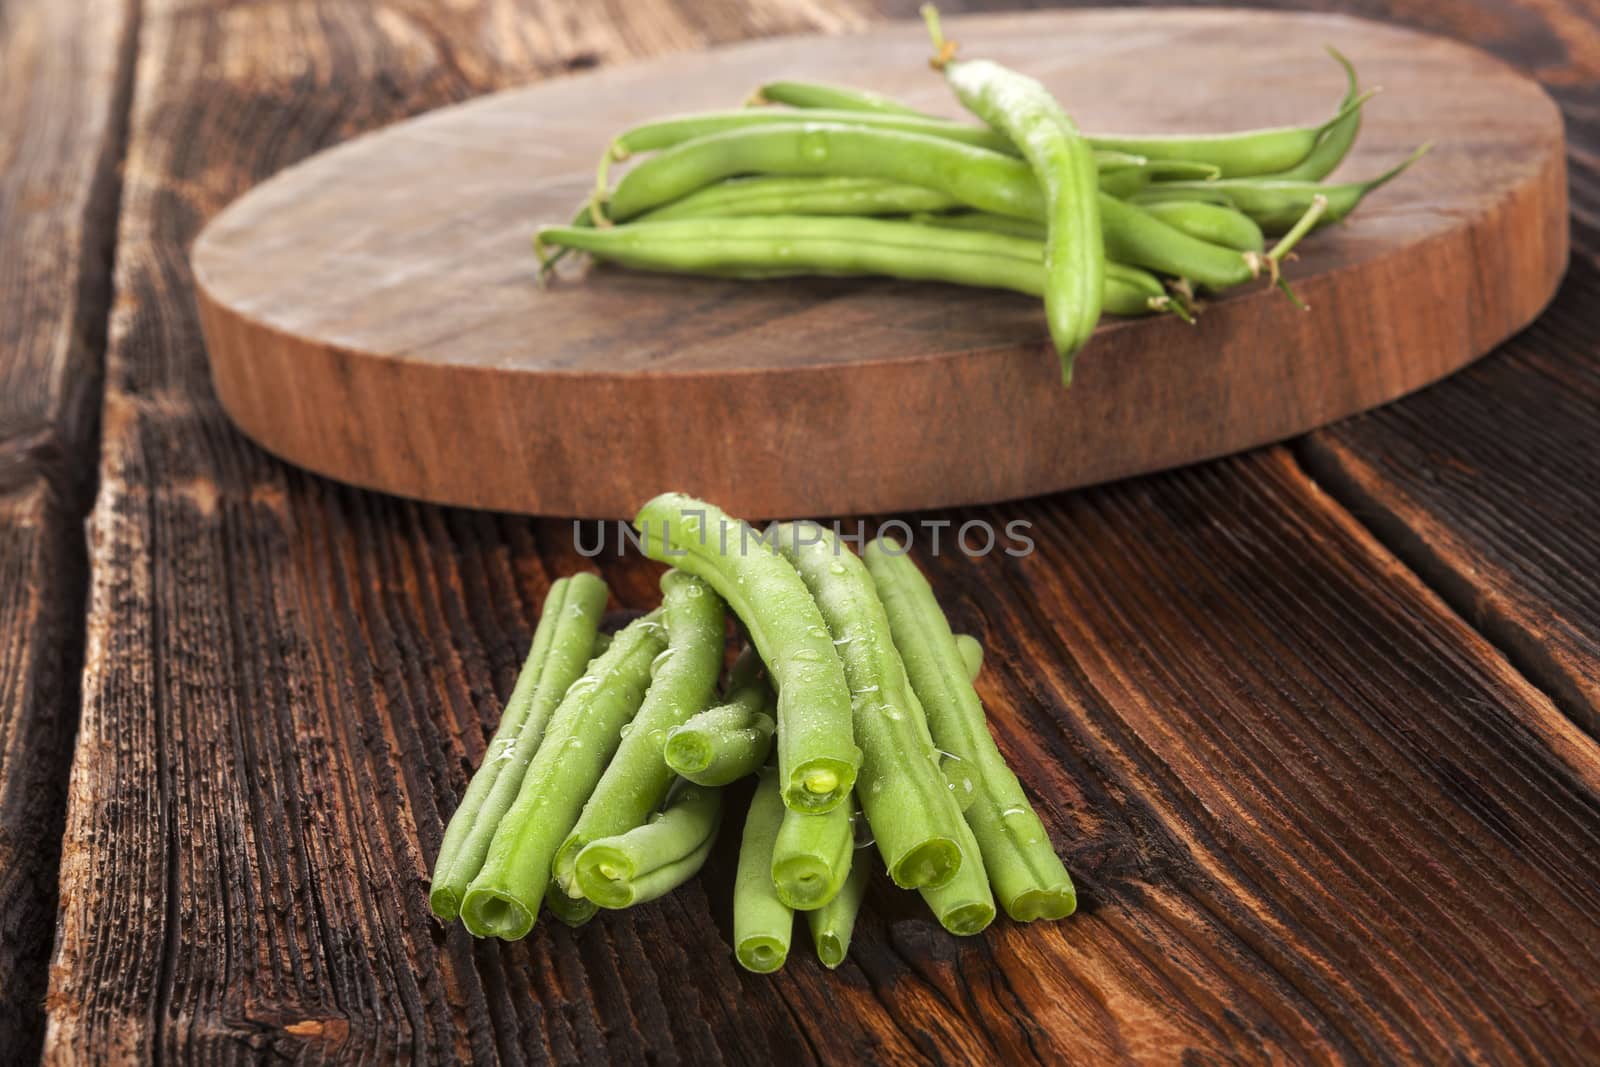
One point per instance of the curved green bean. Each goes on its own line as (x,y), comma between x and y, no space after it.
(910,808)
(504,898)
(1223,226)
(1277,205)
(651,860)
(762,924)
(1028,875)
(684,679)
(832,924)
(561,645)
(1338,136)
(817,755)
(1063,164)
(817,95)
(723,744)
(811,857)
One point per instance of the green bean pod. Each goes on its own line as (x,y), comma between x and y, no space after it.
(723,744)
(817,95)
(910,808)
(811,857)
(965,904)
(683,682)
(1223,226)
(832,924)
(561,645)
(817,755)
(1027,874)
(651,860)
(571,911)
(762,923)
(971,650)
(782,195)
(504,898)
(1277,205)
(1337,137)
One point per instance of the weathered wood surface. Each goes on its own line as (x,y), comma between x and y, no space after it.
(60,110)
(372,314)
(1313,812)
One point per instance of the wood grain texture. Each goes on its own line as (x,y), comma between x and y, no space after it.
(60,112)
(1313,814)
(373,314)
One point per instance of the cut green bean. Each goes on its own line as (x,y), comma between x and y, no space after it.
(1338,136)
(971,654)
(727,742)
(572,911)
(1277,205)
(683,682)
(965,904)
(651,860)
(913,815)
(817,95)
(1026,872)
(1025,112)
(1224,226)
(762,923)
(504,898)
(817,756)
(832,924)
(561,649)
(784,246)
(811,857)
(781,195)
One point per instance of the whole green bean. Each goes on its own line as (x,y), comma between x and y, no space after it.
(965,904)
(831,924)
(727,742)
(816,95)
(811,857)
(971,654)
(504,898)
(1338,136)
(561,645)
(783,246)
(651,860)
(762,923)
(817,755)
(778,194)
(1277,205)
(1027,114)
(1224,226)
(1026,872)
(910,808)
(683,682)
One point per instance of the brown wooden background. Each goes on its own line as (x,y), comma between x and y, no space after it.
(1315,726)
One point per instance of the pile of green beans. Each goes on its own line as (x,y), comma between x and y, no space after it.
(619,758)
(812,179)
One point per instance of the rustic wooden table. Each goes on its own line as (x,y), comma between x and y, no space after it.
(1315,726)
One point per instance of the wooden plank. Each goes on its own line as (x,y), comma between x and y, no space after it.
(60,118)
(1487,483)
(1312,812)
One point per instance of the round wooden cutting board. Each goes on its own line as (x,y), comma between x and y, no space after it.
(373,314)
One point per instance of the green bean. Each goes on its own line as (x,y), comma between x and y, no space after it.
(909,806)
(572,911)
(651,860)
(971,654)
(811,857)
(781,195)
(560,651)
(1134,236)
(1276,205)
(965,904)
(727,742)
(1026,872)
(1338,136)
(784,246)
(684,679)
(1223,226)
(815,95)
(984,222)
(817,756)
(504,898)
(832,923)
(762,923)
